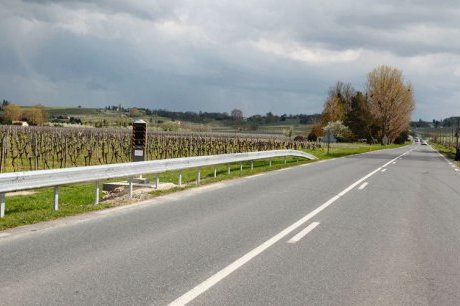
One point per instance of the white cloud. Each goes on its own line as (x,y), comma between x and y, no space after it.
(297,52)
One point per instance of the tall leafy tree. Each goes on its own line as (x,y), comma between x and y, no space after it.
(358,118)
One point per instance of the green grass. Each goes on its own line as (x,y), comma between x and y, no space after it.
(448,152)
(344,149)
(79,198)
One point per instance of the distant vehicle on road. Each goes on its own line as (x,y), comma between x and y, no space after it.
(416,139)
(424,143)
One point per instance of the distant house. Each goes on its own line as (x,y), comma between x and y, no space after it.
(21,123)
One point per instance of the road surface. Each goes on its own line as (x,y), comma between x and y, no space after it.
(381,228)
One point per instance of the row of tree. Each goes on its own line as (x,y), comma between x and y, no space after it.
(236,115)
(380,113)
(35,115)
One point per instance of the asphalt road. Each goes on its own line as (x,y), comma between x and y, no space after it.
(381,228)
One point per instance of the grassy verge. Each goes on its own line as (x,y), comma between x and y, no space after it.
(448,152)
(79,198)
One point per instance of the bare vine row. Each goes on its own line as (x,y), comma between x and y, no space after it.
(35,148)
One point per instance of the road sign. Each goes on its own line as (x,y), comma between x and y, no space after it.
(329,137)
(385,140)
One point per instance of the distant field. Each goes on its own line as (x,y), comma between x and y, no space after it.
(107,118)
(53,111)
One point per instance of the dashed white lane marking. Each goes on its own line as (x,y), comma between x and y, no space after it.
(363,186)
(383,170)
(283,169)
(393,163)
(260,174)
(220,275)
(303,233)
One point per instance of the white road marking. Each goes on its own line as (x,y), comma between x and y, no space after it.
(393,163)
(283,169)
(303,233)
(363,186)
(257,175)
(4,235)
(457,170)
(383,170)
(220,275)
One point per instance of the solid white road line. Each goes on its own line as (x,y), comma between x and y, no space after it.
(363,186)
(393,163)
(220,275)
(303,233)
(383,170)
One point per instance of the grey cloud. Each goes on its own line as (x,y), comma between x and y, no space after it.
(203,55)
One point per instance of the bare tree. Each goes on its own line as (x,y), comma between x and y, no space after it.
(237,114)
(391,101)
(344,93)
(338,103)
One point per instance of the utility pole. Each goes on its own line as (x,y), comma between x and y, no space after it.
(457,148)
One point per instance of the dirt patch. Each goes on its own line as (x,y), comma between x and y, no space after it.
(120,196)
(20,193)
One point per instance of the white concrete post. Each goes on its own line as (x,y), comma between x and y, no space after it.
(130,187)
(215,171)
(228,170)
(180,179)
(157,182)
(2,205)
(198,176)
(270,163)
(241,167)
(56,197)
(252,165)
(97,193)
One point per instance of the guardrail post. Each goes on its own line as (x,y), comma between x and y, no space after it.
(180,179)
(157,182)
(2,205)
(252,165)
(56,197)
(198,176)
(97,193)
(215,171)
(130,187)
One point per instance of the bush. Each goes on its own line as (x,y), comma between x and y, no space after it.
(402,138)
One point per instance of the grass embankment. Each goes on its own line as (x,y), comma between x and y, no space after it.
(448,152)
(80,198)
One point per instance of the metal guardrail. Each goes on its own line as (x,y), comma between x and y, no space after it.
(24,180)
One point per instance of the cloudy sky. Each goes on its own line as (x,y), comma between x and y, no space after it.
(216,55)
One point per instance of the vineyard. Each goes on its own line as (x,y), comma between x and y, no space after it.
(34,148)
(445,136)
